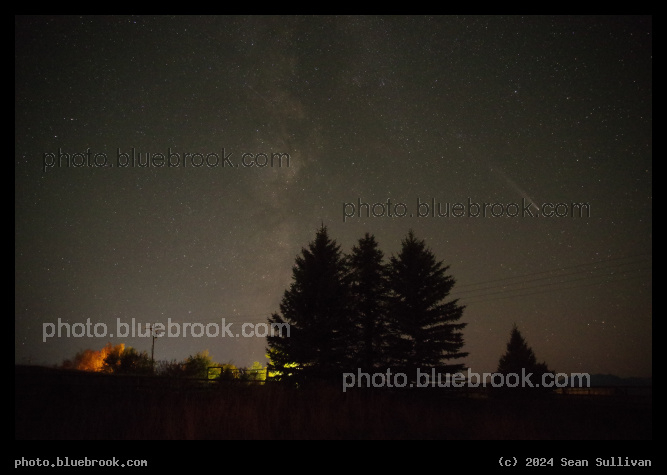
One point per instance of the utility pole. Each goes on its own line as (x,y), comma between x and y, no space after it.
(154,335)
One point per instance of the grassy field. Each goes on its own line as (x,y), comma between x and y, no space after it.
(52,404)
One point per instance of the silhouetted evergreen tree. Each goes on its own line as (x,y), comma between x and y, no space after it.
(368,291)
(316,306)
(425,332)
(520,359)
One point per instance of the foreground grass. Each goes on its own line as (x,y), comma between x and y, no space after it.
(105,409)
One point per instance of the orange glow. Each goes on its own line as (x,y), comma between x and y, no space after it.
(91,360)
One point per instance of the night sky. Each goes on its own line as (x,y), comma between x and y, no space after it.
(369,109)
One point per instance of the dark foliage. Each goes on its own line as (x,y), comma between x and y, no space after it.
(519,359)
(347,313)
(317,309)
(369,290)
(424,328)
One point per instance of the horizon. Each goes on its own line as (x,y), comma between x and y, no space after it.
(174,167)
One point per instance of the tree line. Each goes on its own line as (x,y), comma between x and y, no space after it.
(346,312)
(121,359)
(355,311)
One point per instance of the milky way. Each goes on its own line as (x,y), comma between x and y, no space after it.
(415,110)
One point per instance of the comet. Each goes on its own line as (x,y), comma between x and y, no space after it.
(516,187)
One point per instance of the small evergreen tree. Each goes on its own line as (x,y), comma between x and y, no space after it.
(520,359)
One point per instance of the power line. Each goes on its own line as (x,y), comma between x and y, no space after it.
(259,317)
(550,290)
(557,269)
(505,289)
(548,277)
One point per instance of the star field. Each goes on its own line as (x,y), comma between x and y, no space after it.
(451,109)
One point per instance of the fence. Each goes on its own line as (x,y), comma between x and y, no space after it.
(224,373)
